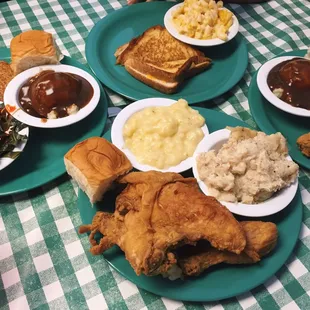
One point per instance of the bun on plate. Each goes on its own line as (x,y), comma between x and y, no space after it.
(94,164)
(33,48)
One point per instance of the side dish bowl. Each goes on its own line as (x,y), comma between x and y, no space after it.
(11,98)
(276,203)
(262,76)
(233,30)
(118,139)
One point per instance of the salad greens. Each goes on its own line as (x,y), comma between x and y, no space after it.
(9,134)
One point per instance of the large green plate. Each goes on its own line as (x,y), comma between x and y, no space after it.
(42,159)
(222,281)
(271,120)
(229,60)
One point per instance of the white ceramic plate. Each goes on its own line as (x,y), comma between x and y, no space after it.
(118,140)
(4,161)
(268,94)
(11,97)
(276,203)
(233,30)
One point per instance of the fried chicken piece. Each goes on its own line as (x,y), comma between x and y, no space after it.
(158,212)
(261,239)
(303,143)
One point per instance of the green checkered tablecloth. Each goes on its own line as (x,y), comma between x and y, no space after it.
(45,264)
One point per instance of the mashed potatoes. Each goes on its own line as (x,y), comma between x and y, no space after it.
(249,168)
(163,136)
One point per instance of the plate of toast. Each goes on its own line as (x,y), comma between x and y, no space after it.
(139,58)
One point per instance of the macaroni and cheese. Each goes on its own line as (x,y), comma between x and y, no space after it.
(164,136)
(203,19)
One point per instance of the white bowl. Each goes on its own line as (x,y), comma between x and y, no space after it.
(232,32)
(268,94)
(5,161)
(276,203)
(118,140)
(12,90)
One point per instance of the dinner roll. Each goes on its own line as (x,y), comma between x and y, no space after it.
(94,164)
(33,48)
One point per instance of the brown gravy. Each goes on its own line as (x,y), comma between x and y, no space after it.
(293,76)
(54,91)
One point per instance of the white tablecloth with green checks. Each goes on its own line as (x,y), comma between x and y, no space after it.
(44,263)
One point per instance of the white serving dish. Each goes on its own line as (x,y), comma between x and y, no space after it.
(276,203)
(233,30)
(118,140)
(12,89)
(268,94)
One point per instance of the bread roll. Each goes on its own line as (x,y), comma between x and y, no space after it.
(33,48)
(94,164)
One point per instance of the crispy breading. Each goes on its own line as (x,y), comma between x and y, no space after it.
(261,239)
(303,143)
(158,212)
(6,74)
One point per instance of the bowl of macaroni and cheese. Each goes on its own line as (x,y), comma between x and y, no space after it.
(201,22)
(159,134)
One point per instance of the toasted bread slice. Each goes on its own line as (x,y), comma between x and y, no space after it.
(157,46)
(172,72)
(159,84)
(159,60)
(120,50)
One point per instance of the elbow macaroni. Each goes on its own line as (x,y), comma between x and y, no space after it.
(203,19)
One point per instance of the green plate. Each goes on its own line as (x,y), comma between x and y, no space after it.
(229,60)
(271,120)
(222,281)
(42,159)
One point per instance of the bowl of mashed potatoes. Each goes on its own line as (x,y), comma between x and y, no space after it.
(159,134)
(248,171)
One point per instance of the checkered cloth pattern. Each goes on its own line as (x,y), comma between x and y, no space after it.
(45,264)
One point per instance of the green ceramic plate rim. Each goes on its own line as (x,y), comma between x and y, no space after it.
(177,293)
(118,87)
(262,122)
(5,55)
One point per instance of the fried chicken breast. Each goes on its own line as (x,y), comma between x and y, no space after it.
(159,212)
(261,238)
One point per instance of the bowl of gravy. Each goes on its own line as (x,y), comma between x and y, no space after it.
(285,83)
(52,96)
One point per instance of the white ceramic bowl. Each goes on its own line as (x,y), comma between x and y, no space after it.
(233,30)
(5,161)
(268,94)
(276,203)
(12,90)
(118,140)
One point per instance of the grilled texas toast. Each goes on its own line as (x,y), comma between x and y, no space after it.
(159,60)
